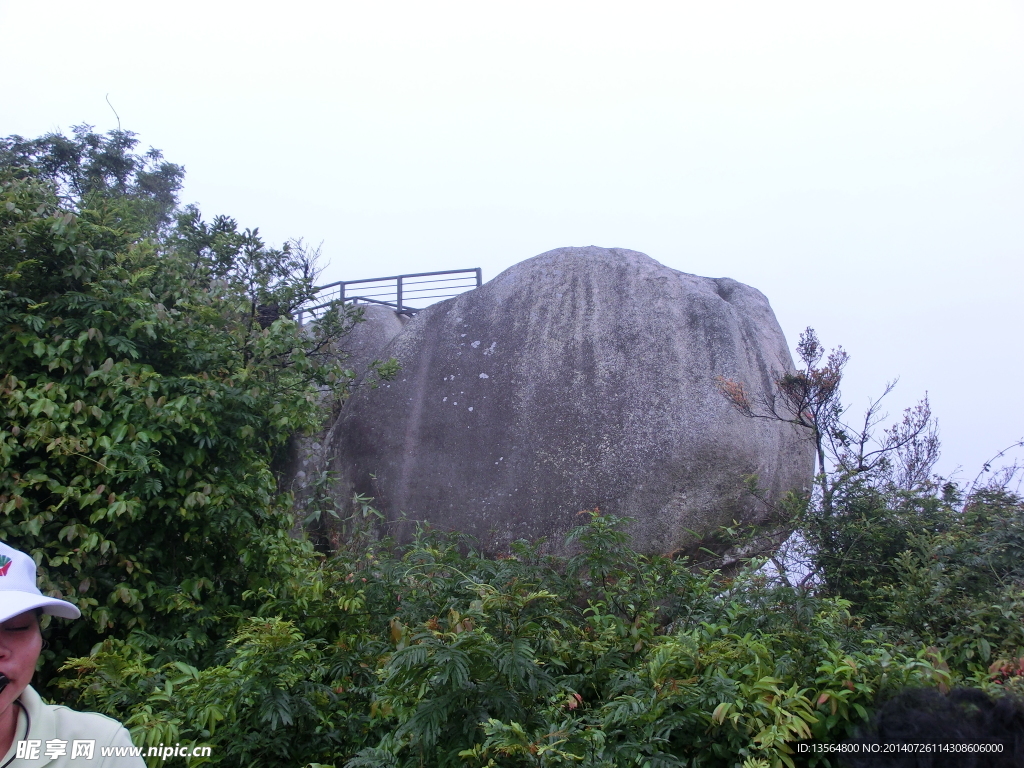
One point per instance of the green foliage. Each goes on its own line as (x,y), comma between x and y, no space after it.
(147,386)
(90,170)
(946,576)
(858,542)
(248,711)
(915,557)
(436,655)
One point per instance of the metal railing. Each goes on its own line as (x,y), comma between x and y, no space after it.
(396,291)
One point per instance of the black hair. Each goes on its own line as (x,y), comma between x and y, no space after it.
(994,726)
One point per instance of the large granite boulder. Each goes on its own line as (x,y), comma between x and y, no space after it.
(581,378)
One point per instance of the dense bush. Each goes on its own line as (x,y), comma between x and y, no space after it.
(932,570)
(150,374)
(435,655)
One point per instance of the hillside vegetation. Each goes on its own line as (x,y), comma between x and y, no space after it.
(151,376)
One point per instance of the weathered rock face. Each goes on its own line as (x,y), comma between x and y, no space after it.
(581,378)
(363,345)
(367,340)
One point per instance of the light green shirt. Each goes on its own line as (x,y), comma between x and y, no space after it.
(59,737)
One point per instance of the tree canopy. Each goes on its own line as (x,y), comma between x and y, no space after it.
(151,372)
(90,169)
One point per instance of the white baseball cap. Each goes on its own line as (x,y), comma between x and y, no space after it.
(18,590)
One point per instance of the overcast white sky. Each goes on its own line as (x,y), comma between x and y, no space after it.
(862,164)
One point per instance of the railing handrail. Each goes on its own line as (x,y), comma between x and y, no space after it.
(396,277)
(401,289)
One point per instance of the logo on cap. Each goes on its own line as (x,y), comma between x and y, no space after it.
(5,563)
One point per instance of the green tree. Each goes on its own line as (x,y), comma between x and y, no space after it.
(149,378)
(913,553)
(100,171)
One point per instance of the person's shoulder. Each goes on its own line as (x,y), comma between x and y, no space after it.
(93,724)
(70,723)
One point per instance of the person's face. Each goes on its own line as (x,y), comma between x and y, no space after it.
(20,645)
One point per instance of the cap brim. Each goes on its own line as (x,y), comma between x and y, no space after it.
(15,603)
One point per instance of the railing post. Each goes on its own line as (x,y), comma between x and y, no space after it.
(399,301)
(341,292)
(479,277)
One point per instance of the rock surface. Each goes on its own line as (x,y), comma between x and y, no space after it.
(363,345)
(581,378)
(367,340)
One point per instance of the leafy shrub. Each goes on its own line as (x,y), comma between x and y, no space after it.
(148,382)
(435,655)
